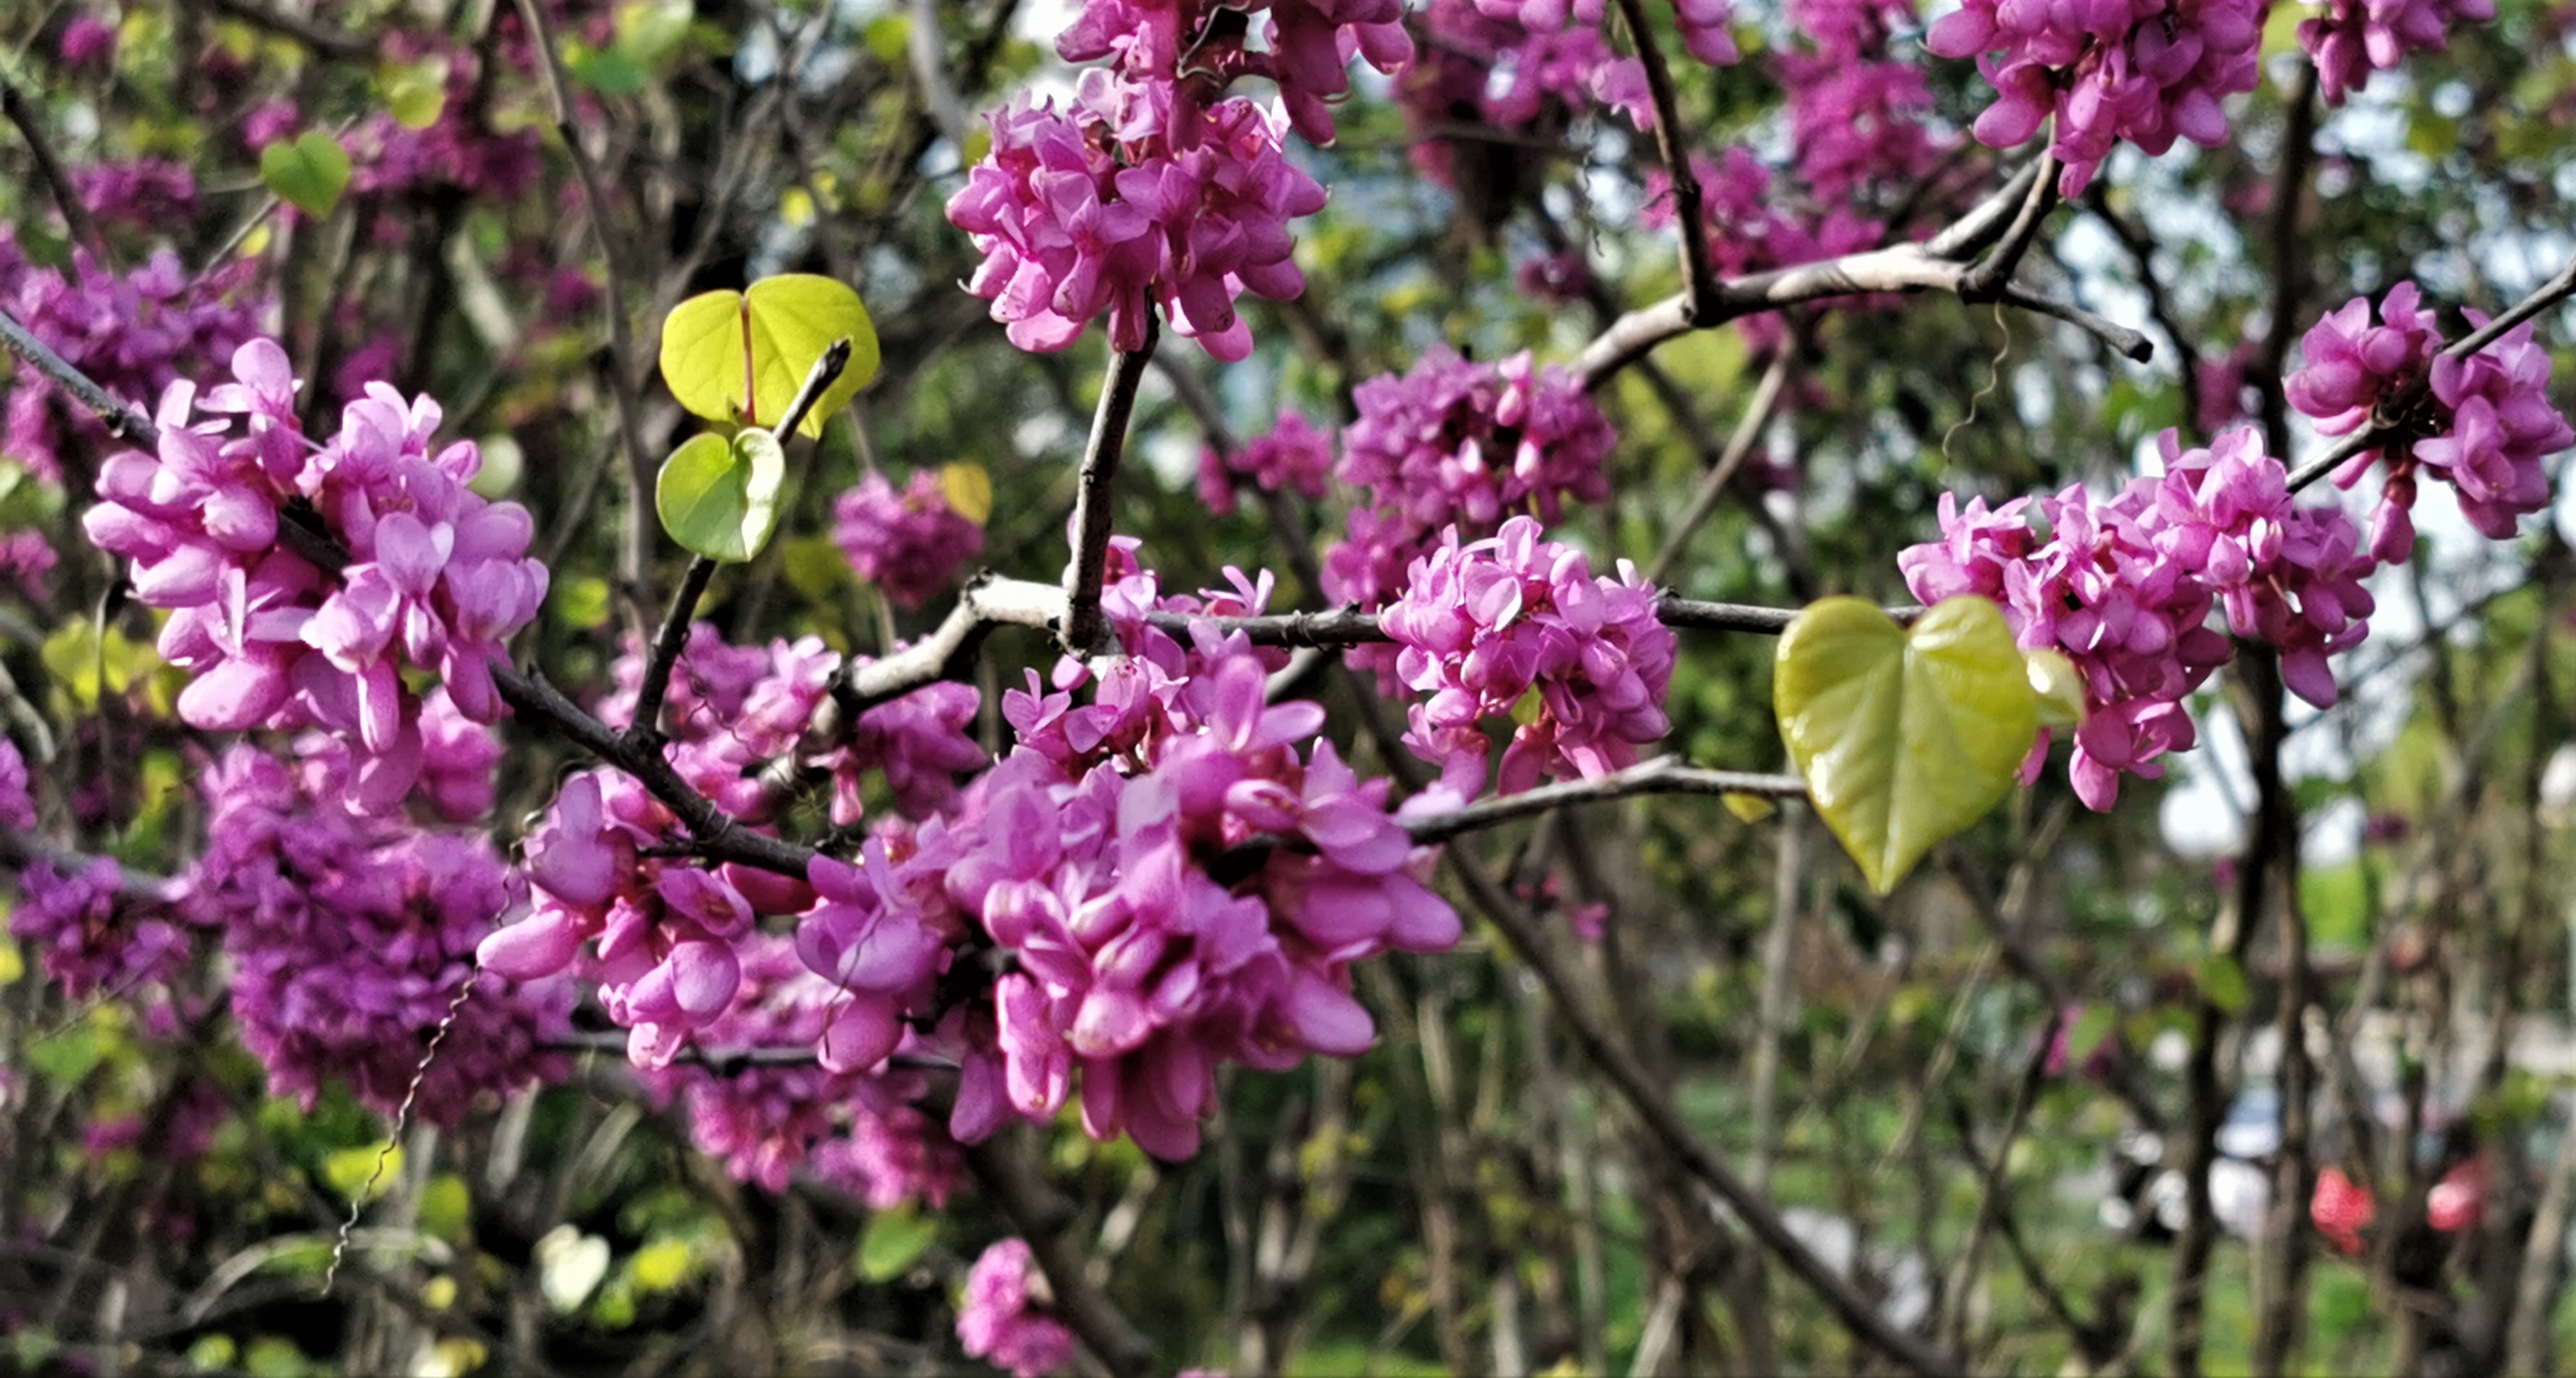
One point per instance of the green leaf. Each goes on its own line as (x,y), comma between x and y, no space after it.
(893,1241)
(605,71)
(660,1265)
(651,30)
(2223,982)
(2091,1027)
(308,173)
(1904,737)
(719,498)
(717,344)
(368,1168)
(414,93)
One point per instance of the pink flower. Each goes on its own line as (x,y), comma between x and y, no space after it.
(1294,455)
(912,544)
(1001,1320)
(2342,1209)
(1133,196)
(2354,38)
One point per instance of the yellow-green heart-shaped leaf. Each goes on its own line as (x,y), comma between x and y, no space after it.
(969,490)
(2061,690)
(308,172)
(741,356)
(1905,736)
(719,498)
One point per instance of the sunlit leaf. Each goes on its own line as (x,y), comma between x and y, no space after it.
(893,1241)
(1905,736)
(415,93)
(740,356)
(719,498)
(969,490)
(308,172)
(2060,689)
(570,1265)
(368,1168)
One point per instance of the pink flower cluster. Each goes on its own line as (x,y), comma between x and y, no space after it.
(146,194)
(765,1121)
(2147,71)
(1464,444)
(2354,38)
(133,334)
(670,933)
(1003,1323)
(2485,423)
(1133,195)
(1857,120)
(1169,880)
(91,933)
(1295,455)
(350,937)
(1304,47)
(437,577)
(1485,625)
(909,544)
(2124,587)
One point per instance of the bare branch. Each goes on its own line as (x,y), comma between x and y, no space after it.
(1091,515)
(1663,775)
(1712,485)
(1044,1218)
(1699,271)
(321,38)
(124,421)
(1935,265)
(31,126)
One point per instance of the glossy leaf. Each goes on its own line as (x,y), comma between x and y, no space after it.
(1905,736)
(740,356)
(719,498)
(308,172)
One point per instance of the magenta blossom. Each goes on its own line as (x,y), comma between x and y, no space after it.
(909,544)
(1003,1320)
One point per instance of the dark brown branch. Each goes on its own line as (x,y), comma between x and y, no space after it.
(1655,1110)
(1044,1218)
(1994,273)
(1699,270)
(1091,514)
(31,126)
(124,421)
(321,38)
(1663,775)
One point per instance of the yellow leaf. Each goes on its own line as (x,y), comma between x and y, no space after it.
(740,356)
(1905,737)
(2060,689)
(969,490)
(1752,808)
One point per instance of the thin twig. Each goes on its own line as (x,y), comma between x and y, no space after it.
(1712,485)
(123,420)
(2385,423)
(628,371)
(321,38)
(1043,1217)
(1699,270)
(31,126)
(1091,514)
(1663,775)
(1934,265)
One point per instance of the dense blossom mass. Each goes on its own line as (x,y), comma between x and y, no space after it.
(910,544)
(2483,423)
(2124,587)
(1459,443)
(1486,625)
(1294,456)
(1129,199)
(351,939)
(437,578)
(1492,72)
(2144,71)
(1858,121)
(1304,47)
(134,333)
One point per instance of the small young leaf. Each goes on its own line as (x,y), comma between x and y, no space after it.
(969,490)
(308,173)
(415,93)
(741,356)
(720,499)
(1904,737)
(893,1242)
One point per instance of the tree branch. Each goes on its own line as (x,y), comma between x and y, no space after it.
(1935,265)
(1091,515)
(1662,775)
(31,126)
(321,38)
(1699,271)
(1043,1217)
(1661,1119)
(124,421)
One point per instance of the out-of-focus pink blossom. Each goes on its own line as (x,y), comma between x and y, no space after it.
(2354,38)
(1002,1320)
(1294,455)
(909,544)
